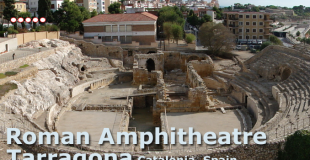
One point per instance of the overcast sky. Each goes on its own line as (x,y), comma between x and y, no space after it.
(284,3)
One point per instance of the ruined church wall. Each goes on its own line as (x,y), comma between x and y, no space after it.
(193,79)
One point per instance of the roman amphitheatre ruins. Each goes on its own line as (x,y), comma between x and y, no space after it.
(74,85)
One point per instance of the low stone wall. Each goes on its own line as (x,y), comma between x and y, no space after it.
(24,74)
(25,60)
(30,36)
(97,50)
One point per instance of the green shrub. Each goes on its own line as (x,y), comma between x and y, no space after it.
(24,66)
(2,33)
(11,30)
(190,38)
(2,75)
(47,28)
(10,73)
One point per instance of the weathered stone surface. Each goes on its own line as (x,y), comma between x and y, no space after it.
(51,84)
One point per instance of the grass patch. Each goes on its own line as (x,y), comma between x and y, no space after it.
(6,88)
(10,73)
(2,75)
(24,66)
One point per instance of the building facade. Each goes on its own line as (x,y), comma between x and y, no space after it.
(124,28)
(248,25)
(20,6)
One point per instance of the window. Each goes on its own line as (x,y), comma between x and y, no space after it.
(247,23)
(240,30)
(128,39)
(254,30)
(240,37)
(102,3)
(114,28)
(240,23)
(108,29)
(261,30)
(129,53)
(53,6)
(254,37)
(240,16)
(261,23)
(107,39)
(99,37)
(254,23)
(128,28)
(122,28)
(115,38)
(261,16)
(254,16)
(247,30)
(260,37)
(247,37)
(247,16)
(122,39)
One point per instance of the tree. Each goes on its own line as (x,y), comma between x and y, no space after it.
(265,44)
(114,8)
(71,19)
(167,30)
(255,9)
(177,32)
(275,40)
(24,15)
(86,14)
(94,13)
(44,10)
(183,9)
(9,11)
(297,33)
(219,13)
(190,38)
(216,37)
(205,18)
(170,14)
(297,146)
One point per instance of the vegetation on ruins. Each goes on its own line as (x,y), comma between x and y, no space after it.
(190,38)
(297,33)
(297,146)
(114,8)
(217,38)
(9,11)
(6,88)
(44,10)
(24,66)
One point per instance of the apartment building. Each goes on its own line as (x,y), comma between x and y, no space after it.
(248,25)
(20,6)
(123,28)
(88,4)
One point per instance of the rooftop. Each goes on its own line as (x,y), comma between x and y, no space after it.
(246,12)
(143,16)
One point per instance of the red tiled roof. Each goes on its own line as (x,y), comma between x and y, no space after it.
(144,16)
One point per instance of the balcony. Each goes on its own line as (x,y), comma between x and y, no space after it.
(233,25)
(234,18)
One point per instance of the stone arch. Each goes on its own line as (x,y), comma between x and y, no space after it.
(192,58)
(150,65)
(286,72)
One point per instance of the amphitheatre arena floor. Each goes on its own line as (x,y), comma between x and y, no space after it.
(92,122)
(204,122)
